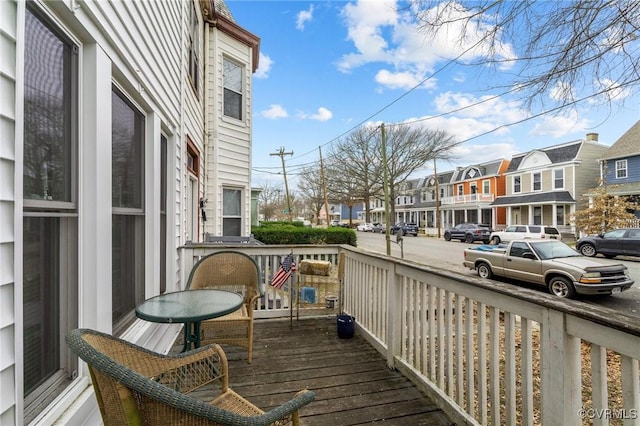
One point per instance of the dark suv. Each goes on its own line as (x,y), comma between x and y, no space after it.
(625,241)
(469,232)
(407,228)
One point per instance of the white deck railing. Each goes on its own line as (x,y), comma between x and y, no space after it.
(486,352)
(468,198)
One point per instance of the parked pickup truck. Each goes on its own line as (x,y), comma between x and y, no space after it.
(551,263)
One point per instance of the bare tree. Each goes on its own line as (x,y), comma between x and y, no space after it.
(410,147)
(269,202)
(354,169)
(310,190)
(572,50)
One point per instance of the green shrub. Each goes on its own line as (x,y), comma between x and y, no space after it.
(288,233)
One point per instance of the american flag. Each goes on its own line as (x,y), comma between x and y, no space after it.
(287,266)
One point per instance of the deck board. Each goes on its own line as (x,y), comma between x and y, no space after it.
(350,378)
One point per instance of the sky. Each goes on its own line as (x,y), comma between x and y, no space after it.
(329,67)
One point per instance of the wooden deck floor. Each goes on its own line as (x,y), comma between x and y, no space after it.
(350,378)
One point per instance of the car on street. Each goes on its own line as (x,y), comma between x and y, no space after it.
(619,242)
(549,263)
(520,232)
(365,227)
(379,228)
(407,229)
(469,232)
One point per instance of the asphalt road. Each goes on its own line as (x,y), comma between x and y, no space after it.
(449,255)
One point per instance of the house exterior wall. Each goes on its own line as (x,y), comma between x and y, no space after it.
(140,48)
(587,172)
(228,147)
(10,212)
(633,170)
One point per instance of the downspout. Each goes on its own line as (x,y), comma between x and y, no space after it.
(183,223)
(205,125)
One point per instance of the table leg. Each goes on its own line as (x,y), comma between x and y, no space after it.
(191,335)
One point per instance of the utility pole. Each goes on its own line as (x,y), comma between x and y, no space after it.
(435,176)
(281,154)
(385,183)
(324,189)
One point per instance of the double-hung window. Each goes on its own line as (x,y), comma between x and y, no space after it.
(536,181)
(517,184)
(621,169)
(127,139)
(232,80)
(194,48)
(50,218)
(231,212)
(558,179)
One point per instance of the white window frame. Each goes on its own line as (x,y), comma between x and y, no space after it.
(621,169)
(239,92)
(555,178)
(519,184)
(226,215)
(65,215)
(533,181)
(486,186)
(137,215)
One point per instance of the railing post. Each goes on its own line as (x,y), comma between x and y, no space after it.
(394,315)
(560,361)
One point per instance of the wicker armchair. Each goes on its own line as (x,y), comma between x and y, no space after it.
(235,271)
(136,386)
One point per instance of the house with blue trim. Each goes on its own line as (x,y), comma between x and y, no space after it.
(620,166)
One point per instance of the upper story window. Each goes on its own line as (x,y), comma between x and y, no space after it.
(127,149)
(517,184)
(194,48)
(558,179)
(486,187)
(50,114)
(621,169)
(536,181)
(232,81)
(460,189)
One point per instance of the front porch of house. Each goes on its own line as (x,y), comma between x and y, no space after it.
(483,352)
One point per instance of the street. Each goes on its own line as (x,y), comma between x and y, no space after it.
(449,255)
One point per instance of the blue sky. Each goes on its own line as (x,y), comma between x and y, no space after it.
(327,67)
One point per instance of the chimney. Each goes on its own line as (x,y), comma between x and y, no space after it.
(592,137)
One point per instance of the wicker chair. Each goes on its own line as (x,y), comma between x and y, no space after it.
(136,386)
(235,271)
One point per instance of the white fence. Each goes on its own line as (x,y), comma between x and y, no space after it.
(488,353)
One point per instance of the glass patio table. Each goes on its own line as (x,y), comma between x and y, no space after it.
(189,307)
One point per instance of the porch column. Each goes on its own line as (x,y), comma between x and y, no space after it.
(509,212)
(554,215)
(530,213)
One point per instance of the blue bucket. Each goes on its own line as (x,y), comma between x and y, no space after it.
(346,326)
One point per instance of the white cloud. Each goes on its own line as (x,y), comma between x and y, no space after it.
(468,154)
(264,66)
(560,125)
(274,112)
(303,17)
(492,109)
(383,32)
(402,80)
(613,90)
(323,114)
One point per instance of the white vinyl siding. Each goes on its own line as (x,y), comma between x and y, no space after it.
(10,211)
(230,149)
(142,48)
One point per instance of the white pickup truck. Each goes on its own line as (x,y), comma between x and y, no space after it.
(550,263)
